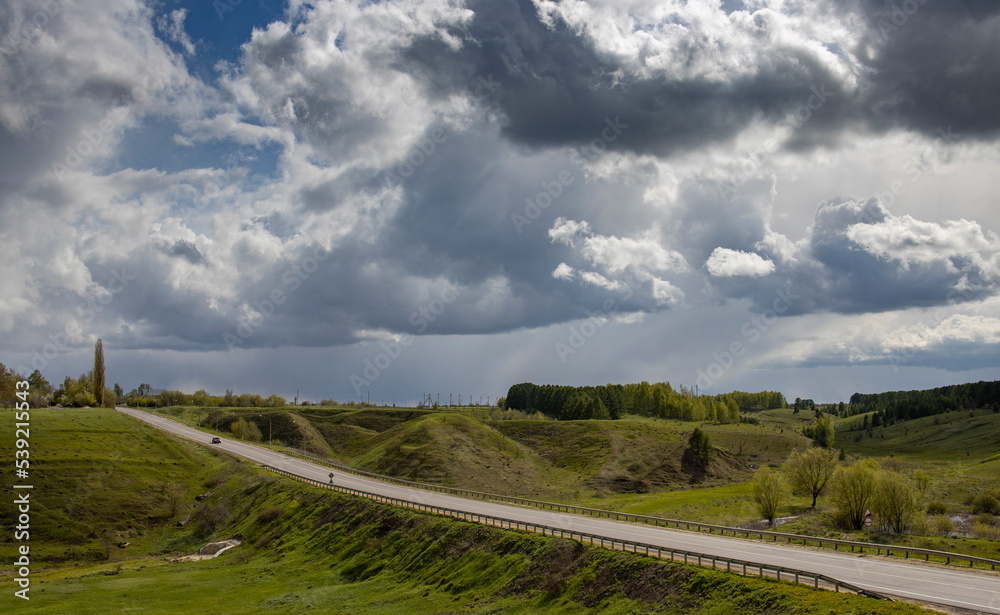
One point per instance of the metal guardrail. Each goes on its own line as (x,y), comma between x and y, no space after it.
(744,567)
(888,550)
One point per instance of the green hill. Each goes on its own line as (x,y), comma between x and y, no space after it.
(101,478)
(558,460)
(534,458)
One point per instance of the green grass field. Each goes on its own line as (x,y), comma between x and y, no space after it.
(306,549)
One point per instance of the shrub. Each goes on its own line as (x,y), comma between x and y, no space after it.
(247,430)
(892,464)
(936,508)
(985,519)
(212,517)
(270,514)
(986,503)
(942,525)
(982,530)
(921,525)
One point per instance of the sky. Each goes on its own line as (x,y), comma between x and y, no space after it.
(383,200)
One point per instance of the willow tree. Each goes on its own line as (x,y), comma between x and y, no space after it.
(97,378)
(811,471)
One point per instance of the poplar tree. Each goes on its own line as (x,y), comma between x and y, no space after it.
(98,374)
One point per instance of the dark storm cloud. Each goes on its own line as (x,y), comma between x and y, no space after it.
(558,89)
(921,65)
(935,64)
(454,234)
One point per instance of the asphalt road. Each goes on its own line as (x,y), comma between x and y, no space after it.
(977,591)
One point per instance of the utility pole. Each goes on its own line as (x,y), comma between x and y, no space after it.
(449,400)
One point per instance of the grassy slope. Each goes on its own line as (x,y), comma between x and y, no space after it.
(561,460)
(306,549)
(959,450)
(282,426)
(83,457)
(600,463)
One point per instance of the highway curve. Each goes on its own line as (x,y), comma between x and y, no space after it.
(973,590)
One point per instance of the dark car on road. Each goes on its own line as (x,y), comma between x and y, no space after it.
(216,440)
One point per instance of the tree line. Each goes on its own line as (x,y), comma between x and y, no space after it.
(88,389)
(91,390)
(612,401)
(566,402)
(755,402)
(142,397)
(894,406)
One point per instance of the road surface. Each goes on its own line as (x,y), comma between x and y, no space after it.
(974,590)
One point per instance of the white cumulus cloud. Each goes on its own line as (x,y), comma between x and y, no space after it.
(728,263)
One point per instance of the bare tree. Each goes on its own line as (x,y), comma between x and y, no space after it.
(176,496)
(107,541)
(811,471)
(768,493)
